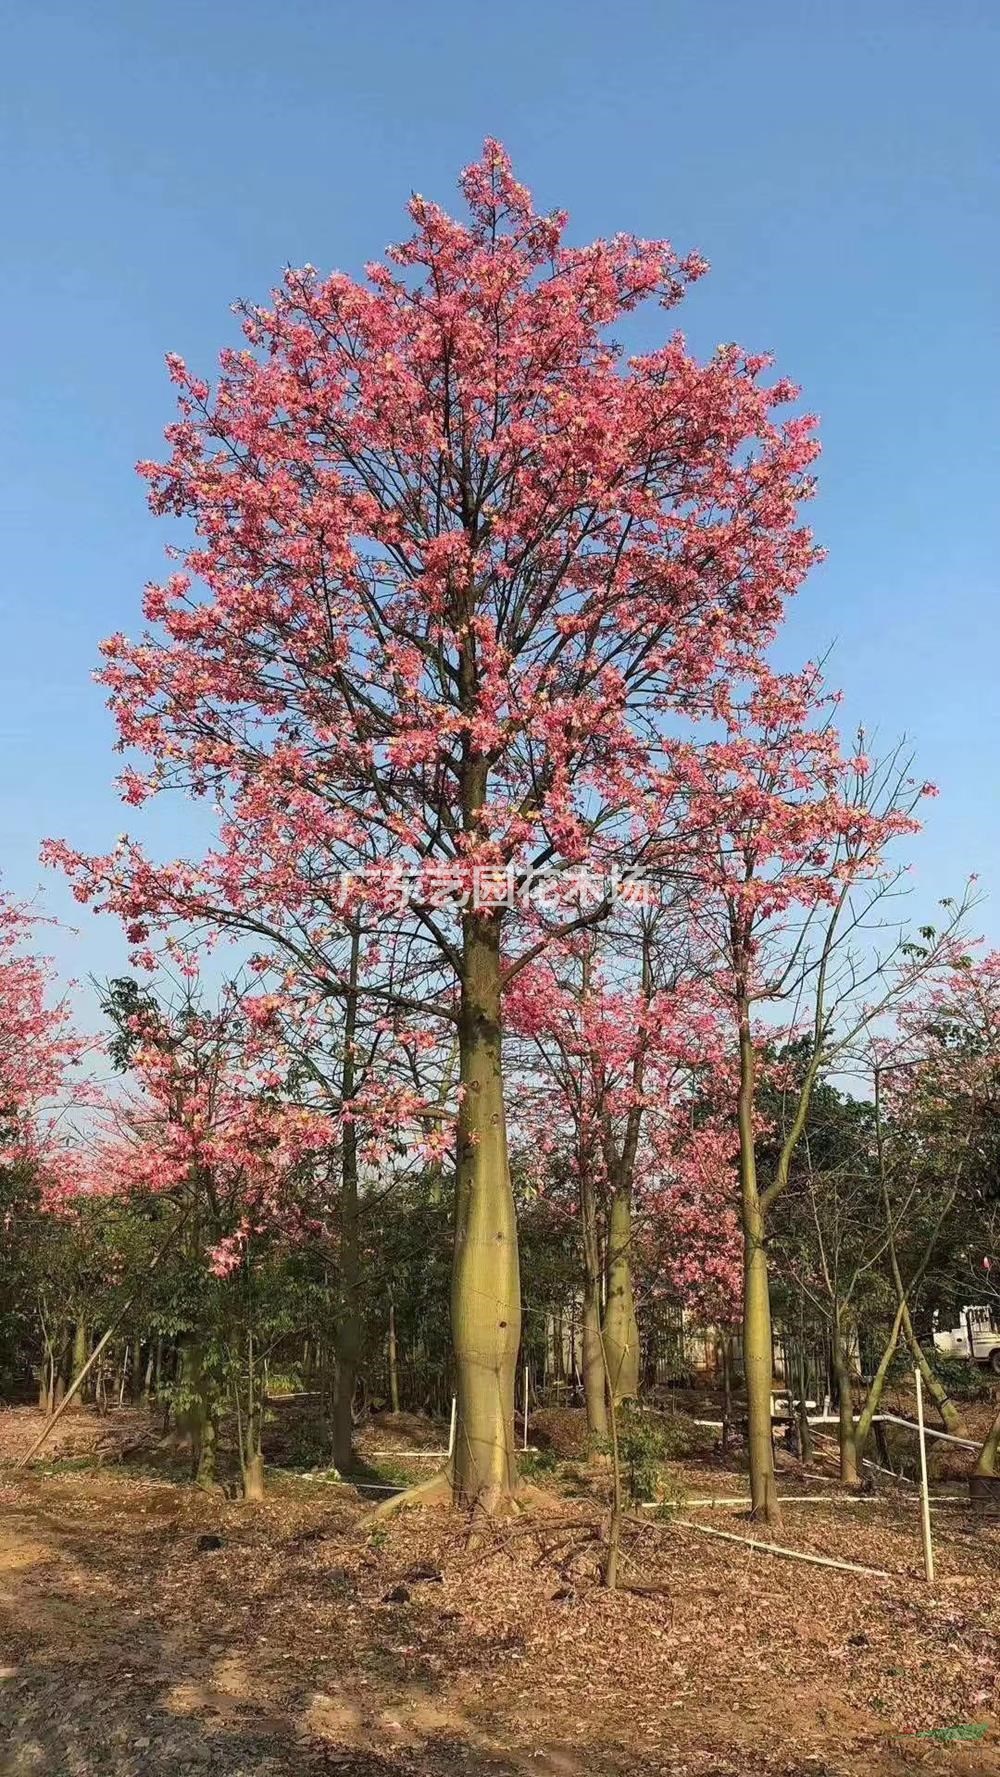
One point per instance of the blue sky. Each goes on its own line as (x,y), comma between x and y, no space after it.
(839,166)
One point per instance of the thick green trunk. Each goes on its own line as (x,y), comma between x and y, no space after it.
(486,1296)
(621,1331)
(594,1384)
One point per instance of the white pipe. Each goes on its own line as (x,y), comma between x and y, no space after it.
(743,1499)
(750,1542)
(930,1431)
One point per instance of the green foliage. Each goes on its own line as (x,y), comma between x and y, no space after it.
(646,1443)
(964,1380)
(538,1465)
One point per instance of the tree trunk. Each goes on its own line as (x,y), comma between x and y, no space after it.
(135,1378)
(950,1416)
(861,1429)
(727,1392)
(252,1454)
(81,1352)
(849,1474)
(198,1417)
(393,1362)
(806,1445)
(486,1296)
(986,1462)
(621,1330)
(594,1386)
(758,1352)
(348,1334)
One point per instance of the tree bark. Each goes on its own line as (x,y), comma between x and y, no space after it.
(347,1350)
(621,1330)
(845,1406)
(758,1353)
(950,1416)
(860,1430)
(81,1352)
(986,1462)
(594,1385)
(393,1361)
(486,1297)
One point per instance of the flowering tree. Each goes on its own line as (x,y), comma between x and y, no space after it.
(206,1126)
(787,859)
(624,1053)
(38,1048)
(455,567)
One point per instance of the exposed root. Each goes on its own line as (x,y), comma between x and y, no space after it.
(436,1490)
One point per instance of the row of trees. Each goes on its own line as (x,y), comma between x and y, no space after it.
(542,886)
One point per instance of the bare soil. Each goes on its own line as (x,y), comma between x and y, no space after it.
(303,1638)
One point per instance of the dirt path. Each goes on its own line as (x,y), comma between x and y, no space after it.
(128,1651)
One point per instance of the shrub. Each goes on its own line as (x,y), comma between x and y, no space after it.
(646,1443)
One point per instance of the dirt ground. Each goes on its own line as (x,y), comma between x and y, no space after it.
(299,1637)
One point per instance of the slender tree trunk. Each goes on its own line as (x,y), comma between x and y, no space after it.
(348,1334)
(621,1330)
(252,1434)
(80,1354)
(986,1462)
(950,1415)
(806,1445)
(594,1386)
(486,1298)
(861,1428)
(758,1350)
(849,1474)
(727,1392)
(198,1419)
(393,1362)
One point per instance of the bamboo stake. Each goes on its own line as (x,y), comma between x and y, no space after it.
(750,1542)
(526,1406)
(454,1422)
(925,1502)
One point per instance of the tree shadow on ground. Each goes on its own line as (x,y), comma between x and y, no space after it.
(126,1650)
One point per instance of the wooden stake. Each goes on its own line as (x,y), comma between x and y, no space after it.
(526,1406)
(925,1502)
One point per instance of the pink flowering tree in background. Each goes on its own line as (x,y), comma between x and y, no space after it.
(205,1126)
(450,567)
(791,892)
(40,1053)
(618,1079)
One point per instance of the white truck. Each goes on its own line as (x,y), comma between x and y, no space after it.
(976,1337)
